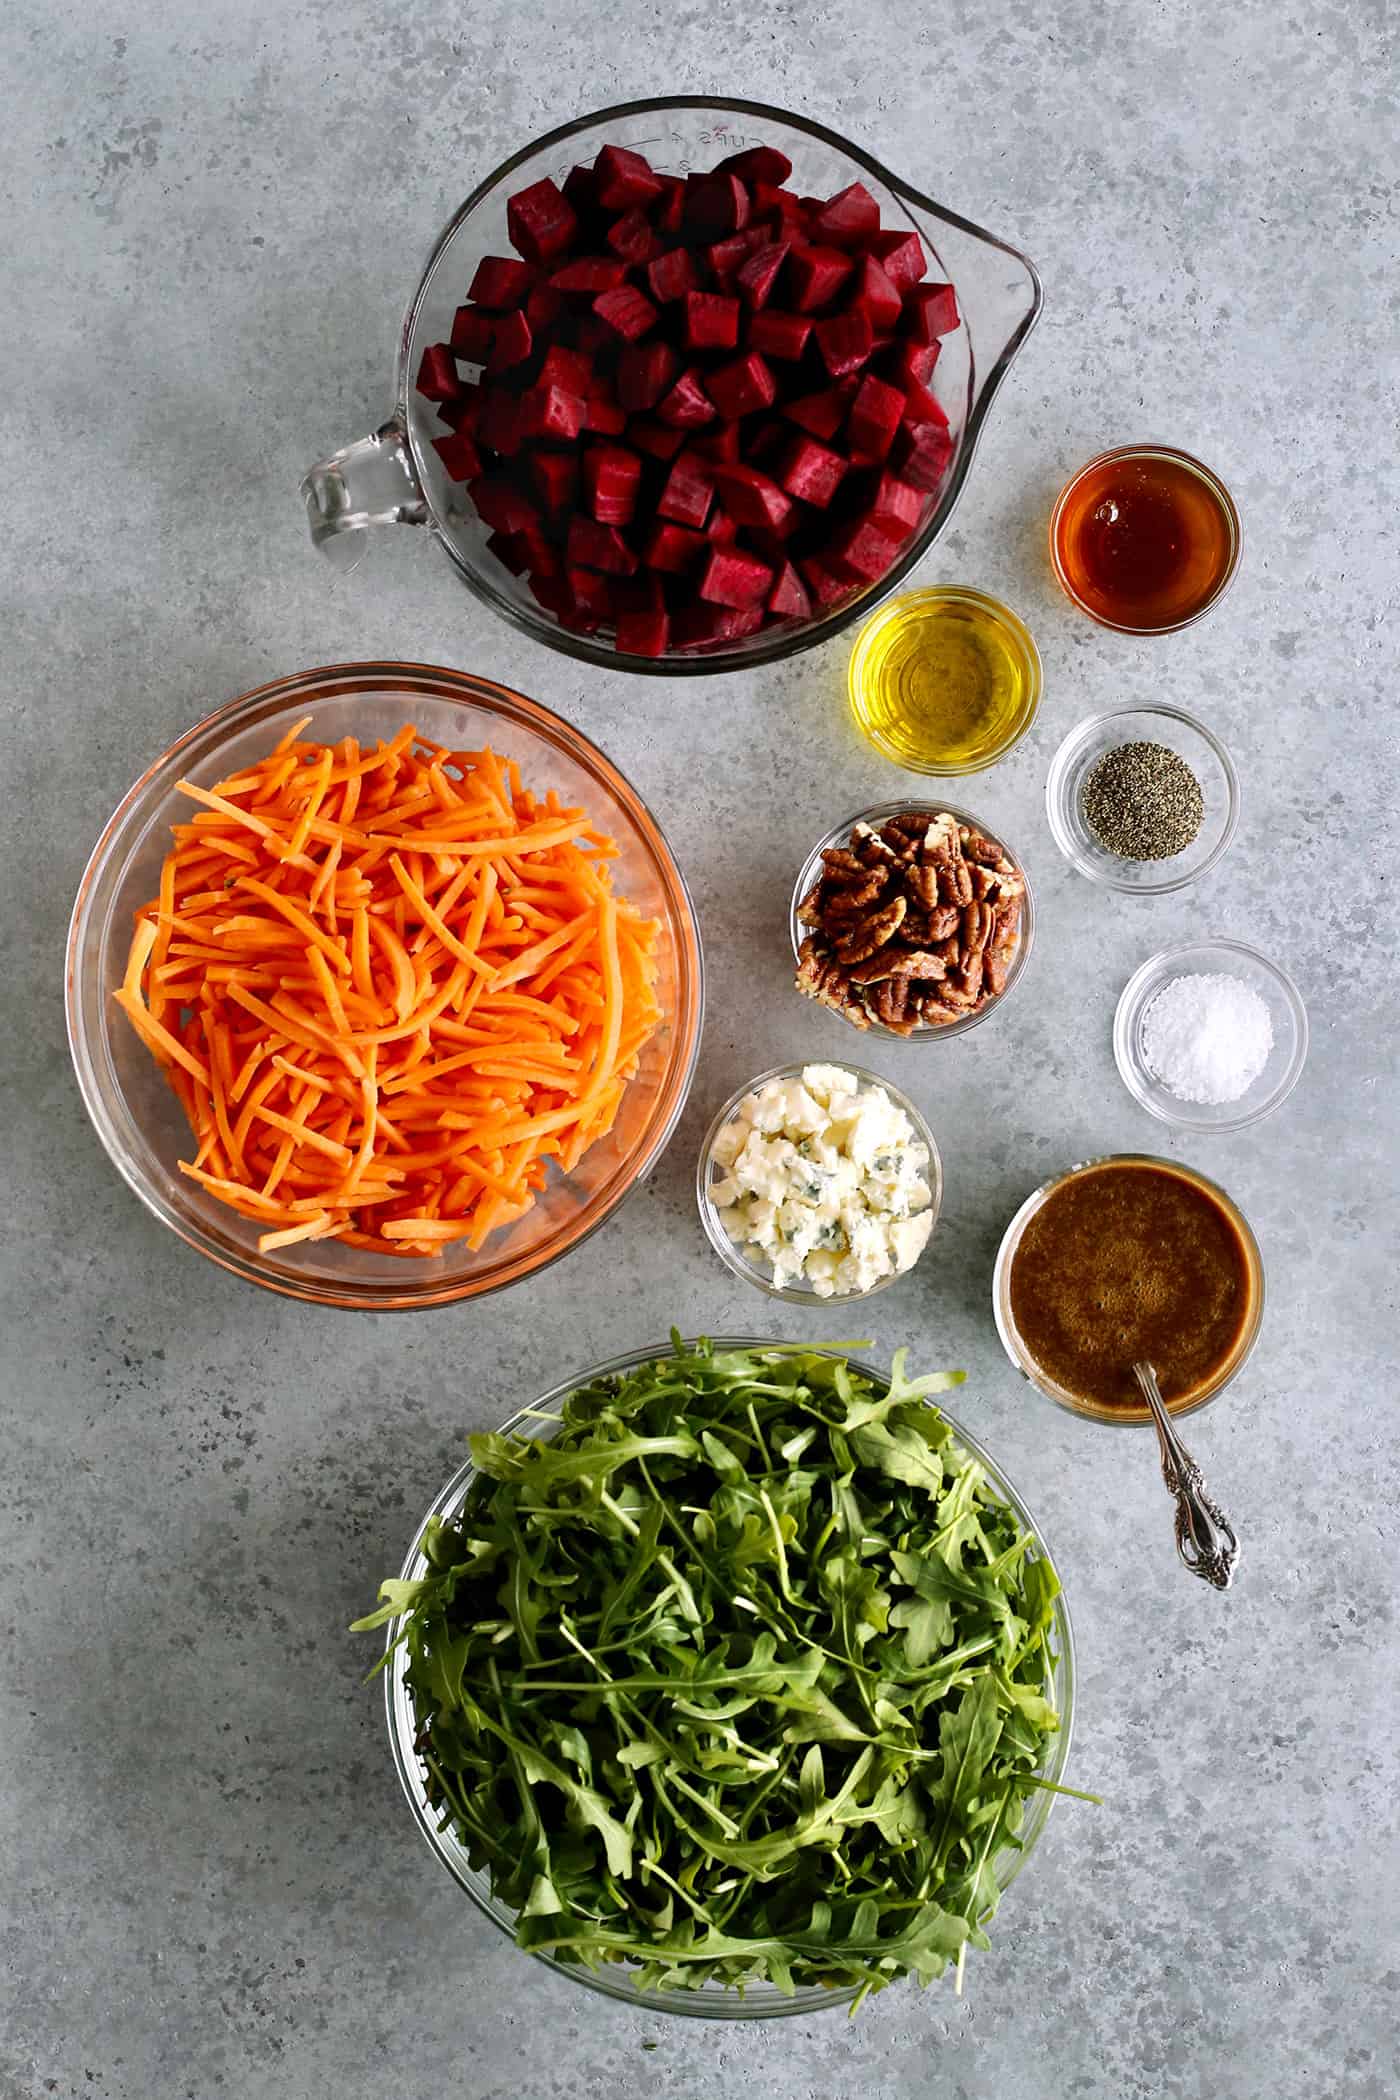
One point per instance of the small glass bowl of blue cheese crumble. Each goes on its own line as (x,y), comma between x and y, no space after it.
(819,1181)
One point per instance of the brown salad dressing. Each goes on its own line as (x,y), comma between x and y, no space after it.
(1131,1261)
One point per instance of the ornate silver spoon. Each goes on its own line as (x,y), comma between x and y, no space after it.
(1205,1537)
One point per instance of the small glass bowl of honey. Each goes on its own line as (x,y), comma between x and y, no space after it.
(944,680)
(1145,539)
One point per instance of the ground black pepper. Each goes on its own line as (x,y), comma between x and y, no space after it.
(1143,802)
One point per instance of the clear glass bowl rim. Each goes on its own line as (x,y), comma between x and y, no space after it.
(765,2001)
(880,813)
(203,740)
(1057,796)
(737,1263)
(1146,449)
(1018,632)
(982,391)
(1125,1017)
(1124,1417)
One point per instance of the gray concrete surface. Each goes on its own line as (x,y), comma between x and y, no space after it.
(211,218)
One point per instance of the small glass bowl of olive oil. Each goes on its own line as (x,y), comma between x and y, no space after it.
(944,680)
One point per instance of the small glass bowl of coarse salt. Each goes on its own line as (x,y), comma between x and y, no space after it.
(1210,1036)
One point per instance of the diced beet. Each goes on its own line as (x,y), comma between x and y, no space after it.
(473,333)
(611,478)
(901,256)
(592,594)
(672,275)
(501,505)
(501,423)
(590,273)
(876,296)
(734,578)
(845,342)
(438,378)
(643,633)
(756,164)
(543,306)
(555,475)
(602,414)
(849,219)
(687,405)
(644,592)
(784,207)
(750,497)
(541,221)
(627,311)
(788,599)
(590,335)
(920,406)
(727,257)
(644,372)
(711,321)
(695,626)
(760,273)
(875,416)
(826,587)
(722,444)
(673,548)
(741,386)
(566,368)
(633,237)
(921,455)
(463,412)
(688,492)
(657,440)
(820,414)
(552,592)
(668,212)
(459,455)
(501,282)
(722,529)
(581,189)
(907,362)
(594,546)
(895,508)
(623,178)
(860,551)
(761,443)
(537,552)
(815,275)
(715,205)
(513,343)
(930,310)
(507,551)
(811,471)
(776,334)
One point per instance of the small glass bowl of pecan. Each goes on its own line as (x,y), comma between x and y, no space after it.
(911,920)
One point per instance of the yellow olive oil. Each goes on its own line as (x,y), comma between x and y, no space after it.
(944,680)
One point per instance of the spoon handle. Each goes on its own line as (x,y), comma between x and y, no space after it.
(1205,1537)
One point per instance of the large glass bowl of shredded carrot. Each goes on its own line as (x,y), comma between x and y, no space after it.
(383,987)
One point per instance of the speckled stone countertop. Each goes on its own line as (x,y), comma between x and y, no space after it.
(212,216)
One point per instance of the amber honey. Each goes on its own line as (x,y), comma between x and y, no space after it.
(1144,540)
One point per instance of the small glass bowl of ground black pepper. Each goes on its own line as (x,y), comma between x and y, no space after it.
(1142,799)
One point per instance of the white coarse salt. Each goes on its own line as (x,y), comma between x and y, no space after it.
(1207,1038)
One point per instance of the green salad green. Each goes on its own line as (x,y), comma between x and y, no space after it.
(741,1676)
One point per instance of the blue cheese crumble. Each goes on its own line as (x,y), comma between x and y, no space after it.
(826,1178)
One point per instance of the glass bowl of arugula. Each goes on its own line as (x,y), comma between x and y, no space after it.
(731,1678)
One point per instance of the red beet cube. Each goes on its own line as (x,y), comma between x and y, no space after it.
(438,378)
(473,333)
(501,505)
(668,212)
(756,164)
(895,508)
(907,362)
(551,412)
(849,219)
(565,368)
(821,414)
(592,594)
(541,221)
(555,475)
(722,530)
(738,388)
(543,306)
(501,424)
(622,178)
(594,546)
(644,592)
(711,321)
(611,476)
(920,406)
(721,444)
(901,256)
(811,471)
(464,411)
(826,587)
(643,633)
(815,275)
(513,343)
(628,312)
(688,491)
(788,598)
(930,310)
(921,455)
(783,207)
(602,414)
(508,551)
(501,282)
(590,335)
(725,258)
(657,440)
(760,273)
(644,372)
(733,578)
(459,455)
(780,335)
(536,551)
(876,296)
(581,189)
(860,551)
(715,205)
(633,237)
(673,548)
(687,405)
(875,416)
(672,275)
(750,497)
(590,273)
(845,342)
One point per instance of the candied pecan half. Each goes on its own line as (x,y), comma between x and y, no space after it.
(890,1003)
(871,933)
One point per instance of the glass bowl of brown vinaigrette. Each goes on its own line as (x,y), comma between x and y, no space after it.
(1126,1257)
